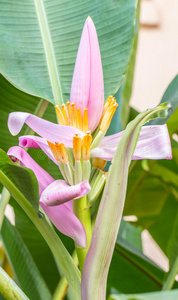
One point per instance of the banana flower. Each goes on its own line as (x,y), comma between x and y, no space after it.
(80,135)
(86,111)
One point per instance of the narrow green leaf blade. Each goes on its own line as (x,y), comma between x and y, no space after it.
(23,264)
(111,207)
(9,289)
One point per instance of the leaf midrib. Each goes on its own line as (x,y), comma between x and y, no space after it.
(49,52)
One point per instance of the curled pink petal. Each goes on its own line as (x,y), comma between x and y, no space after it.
(61,215)
(153,143)
(50,131)
(32,141)
(25,159)
(14,159)
(59,192)
(29,142)
(87,90)
(66,222)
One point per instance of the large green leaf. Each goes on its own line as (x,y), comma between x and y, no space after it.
(141,200)
(123,95)
(23,178)
(173,123)
(23,264)
(171,295)
(39,42)
(13,99)
(131,271)
(131,233)
(171,96)
(156,208)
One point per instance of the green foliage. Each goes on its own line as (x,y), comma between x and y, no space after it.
(131,271)
(58,41)
(34,241)
(112,204)
(13,99)
(22,178)
(171,295)
(123,95)
(171,96)
(24,267)
(152,187)
(63,259)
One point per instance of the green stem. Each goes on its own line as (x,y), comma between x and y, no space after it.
(97,140)
(39,111)
(61,289)
(62,286)
(63,258)
(83,214)
(168,284)
(9,288)
(3,203)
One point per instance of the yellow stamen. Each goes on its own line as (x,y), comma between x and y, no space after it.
(108,117)
(54,151)
(74,115)
(86,143)
(77,145)
(62,152)
(85,120)
(99,163)
(60,116)
(79,119)
(110,101)
(65,114)
(69,113)
(59,152)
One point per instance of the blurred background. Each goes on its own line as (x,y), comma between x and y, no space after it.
(156,66)
(157,54)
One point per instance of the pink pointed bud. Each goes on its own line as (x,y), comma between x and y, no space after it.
(59,192)
(87,90)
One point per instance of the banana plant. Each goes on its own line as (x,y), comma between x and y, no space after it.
(87,203)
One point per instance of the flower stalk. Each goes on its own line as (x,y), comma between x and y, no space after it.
(80,209)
